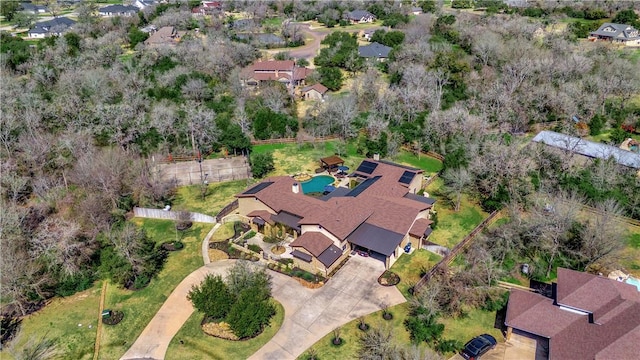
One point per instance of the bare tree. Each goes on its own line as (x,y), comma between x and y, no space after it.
(457,181)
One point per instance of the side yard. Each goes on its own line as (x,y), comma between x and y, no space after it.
(140,306)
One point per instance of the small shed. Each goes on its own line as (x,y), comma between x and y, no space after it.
(314,92)
(331,163)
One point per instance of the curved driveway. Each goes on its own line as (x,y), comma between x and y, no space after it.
(309,314)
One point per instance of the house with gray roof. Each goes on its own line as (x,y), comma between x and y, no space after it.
(588,148)
(55,26)
(118,10)
(360,17)
(33,9)
(374,51)
(380,214)
(617,33)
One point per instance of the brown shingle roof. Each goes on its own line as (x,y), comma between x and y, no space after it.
(613,334)
(280,65)
(419,227)
(317,87)
(263,214)
(312,241)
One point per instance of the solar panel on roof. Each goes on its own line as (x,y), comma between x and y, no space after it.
(362,187)
(258,188)
(406,177)
(367,167)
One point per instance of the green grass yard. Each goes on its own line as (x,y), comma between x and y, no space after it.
(71,322)
(189,198)
(350,334)
(630,258)
(410,266)
(476,322)
(197,345)
(140,306)
(452,225)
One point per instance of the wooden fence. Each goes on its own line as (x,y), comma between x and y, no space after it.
(455,251)
(430,154)
(294,140)
(231,207)
(171,215)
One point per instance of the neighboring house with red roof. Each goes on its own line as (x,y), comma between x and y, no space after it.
(314,92)
(589,317)
(283,71)
(380,215)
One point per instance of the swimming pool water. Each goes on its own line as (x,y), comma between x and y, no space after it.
(633,281)
(317,184)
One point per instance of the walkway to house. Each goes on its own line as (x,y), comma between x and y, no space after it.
(309,314)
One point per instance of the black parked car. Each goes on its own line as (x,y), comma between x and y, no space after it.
(477,346)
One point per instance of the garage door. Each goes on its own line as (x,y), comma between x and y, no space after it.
(378,256)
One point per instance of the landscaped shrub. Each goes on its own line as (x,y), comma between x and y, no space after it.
(212,297)
(249,235)
(254,248)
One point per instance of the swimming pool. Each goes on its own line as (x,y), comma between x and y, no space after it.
(317,184)
(633,281)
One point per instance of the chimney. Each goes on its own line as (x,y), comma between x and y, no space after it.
(295,188)
(376,157)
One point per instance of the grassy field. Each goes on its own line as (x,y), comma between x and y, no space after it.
(140,306)
(218,195)
(350,334)
(453,226)
(197,345)
(293,158)
(631,254)
(71,322)
(473,324)
(61,319)
(409,267)
(224,232)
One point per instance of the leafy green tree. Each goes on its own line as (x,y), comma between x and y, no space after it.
(628,17)
(14,49)
(341,47)
(261,164)
(8,9)
(461,4)
(596,124)
(251,313)
(136,36)
(23,19)
(212,297)
(302,62)
(423,327)
(390,38)
(73,42)
(427,5)
(267,123)
(331,77)
(234,139)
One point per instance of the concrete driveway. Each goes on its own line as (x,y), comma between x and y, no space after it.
(311,314)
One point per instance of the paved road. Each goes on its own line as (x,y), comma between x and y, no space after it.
(311,314)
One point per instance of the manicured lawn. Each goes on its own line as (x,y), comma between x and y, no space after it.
(453,226)
(197,345)
(426,163)
(409,267)
(140,306)
(631,253)
(473,324)
(293,158)
(275,21)
(189,198)
(60,321)
(350,335)
(224,232)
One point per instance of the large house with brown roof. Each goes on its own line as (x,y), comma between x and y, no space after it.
(283,71)
(588,317)
(380,215)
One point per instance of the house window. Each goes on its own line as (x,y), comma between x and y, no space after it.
(344,247)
